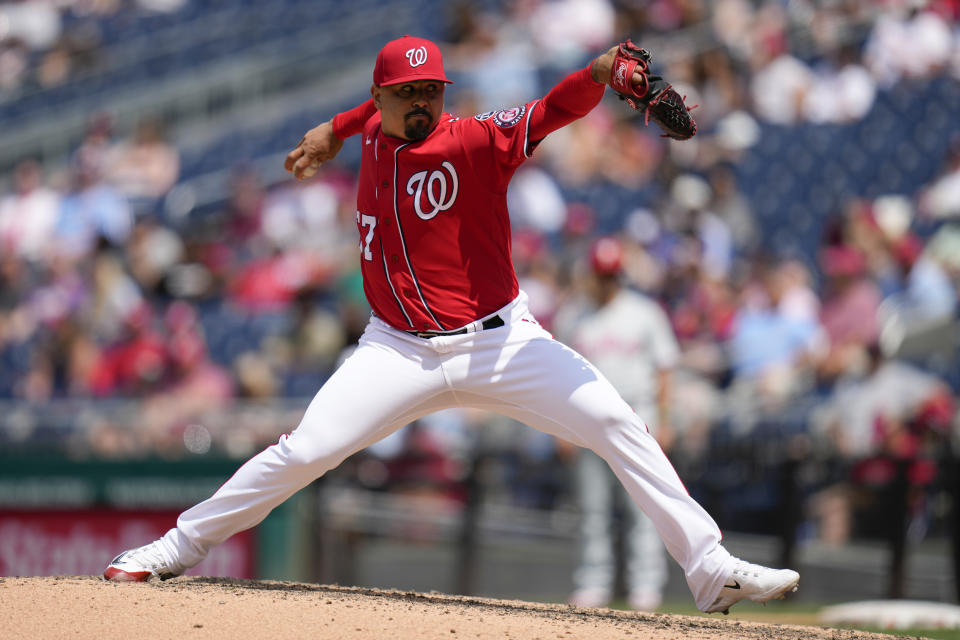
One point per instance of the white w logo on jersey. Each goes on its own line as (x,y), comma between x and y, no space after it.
(417,56)
(436,190)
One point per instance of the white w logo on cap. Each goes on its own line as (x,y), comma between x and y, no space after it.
(417,56)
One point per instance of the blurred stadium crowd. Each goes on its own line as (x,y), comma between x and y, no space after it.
(806,245)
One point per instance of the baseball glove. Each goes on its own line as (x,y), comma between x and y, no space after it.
(652,95)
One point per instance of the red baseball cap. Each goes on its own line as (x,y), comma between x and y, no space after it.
(606,256)
(408,59)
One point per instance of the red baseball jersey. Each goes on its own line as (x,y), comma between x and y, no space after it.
(432,215)
(433,221)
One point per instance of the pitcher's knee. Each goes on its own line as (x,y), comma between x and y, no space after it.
(318,456)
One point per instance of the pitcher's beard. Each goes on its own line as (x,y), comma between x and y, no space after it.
(417,131)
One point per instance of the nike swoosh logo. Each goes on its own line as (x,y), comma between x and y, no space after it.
(368,141)
(735,585)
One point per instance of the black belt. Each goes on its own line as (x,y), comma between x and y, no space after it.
(490,323)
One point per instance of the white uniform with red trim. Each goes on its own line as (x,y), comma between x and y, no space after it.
(435,248)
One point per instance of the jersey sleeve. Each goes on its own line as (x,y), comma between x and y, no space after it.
(350,123)
(509,131)
(514,133)
(573,97)
(498,142)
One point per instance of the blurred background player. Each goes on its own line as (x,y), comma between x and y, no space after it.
(629,339)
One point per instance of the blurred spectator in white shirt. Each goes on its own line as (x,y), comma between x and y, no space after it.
(779,80)
(844,90)
(144,167)
(153,254)
(944,247)
(28,215)
(927,295)
(889,391)
(316,216)
(941,199)
(732,25)
(14,59)
(36,23)
(566,31)
(535,200)
(115,298)
(779,89)
(923,33)
(796,297)
(161,6)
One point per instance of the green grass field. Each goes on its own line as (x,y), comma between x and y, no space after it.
(801,614)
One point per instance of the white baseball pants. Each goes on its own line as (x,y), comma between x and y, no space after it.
(517,370)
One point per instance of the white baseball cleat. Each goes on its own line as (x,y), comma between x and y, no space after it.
(754,582)
(139,565)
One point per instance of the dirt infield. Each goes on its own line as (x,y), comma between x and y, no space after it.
(188,608)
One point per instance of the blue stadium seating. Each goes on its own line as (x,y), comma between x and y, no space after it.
(802,175)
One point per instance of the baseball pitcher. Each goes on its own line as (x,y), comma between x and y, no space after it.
(450,327)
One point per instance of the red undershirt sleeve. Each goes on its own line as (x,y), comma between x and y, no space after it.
(350,123)
(571,99)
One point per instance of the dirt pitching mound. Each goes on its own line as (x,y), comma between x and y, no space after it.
(188,608)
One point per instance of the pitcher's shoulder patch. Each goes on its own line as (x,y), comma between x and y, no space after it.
(509,117)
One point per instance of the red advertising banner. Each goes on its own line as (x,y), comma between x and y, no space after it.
(83,542)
